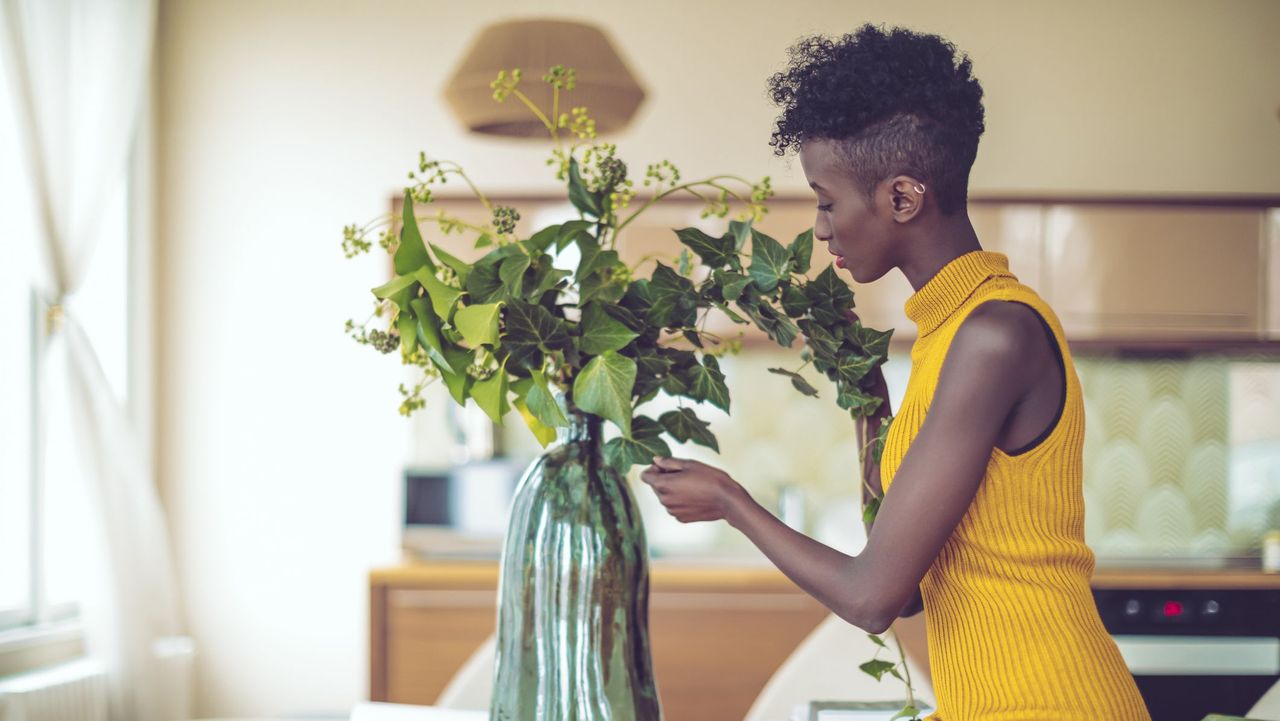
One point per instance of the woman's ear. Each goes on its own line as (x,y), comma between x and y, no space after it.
(907,197)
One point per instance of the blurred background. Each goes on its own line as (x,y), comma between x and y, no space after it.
(271,469)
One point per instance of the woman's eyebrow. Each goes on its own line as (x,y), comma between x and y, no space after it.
(816,186)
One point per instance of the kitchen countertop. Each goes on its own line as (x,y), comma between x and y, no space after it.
(695,571)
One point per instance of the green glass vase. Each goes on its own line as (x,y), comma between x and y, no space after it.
(573,614)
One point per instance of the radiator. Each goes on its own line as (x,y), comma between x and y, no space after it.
(75,691)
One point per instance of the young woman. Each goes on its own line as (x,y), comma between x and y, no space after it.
(983,512)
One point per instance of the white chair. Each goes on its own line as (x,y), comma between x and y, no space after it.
(825,667)
(471,688)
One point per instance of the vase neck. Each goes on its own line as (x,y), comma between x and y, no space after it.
(583,428)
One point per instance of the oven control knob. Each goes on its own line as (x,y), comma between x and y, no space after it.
(1211,608)
(1132,607)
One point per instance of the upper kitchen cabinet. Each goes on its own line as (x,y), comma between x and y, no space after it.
(1131,272)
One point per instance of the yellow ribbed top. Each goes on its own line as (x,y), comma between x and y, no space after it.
(1013,629)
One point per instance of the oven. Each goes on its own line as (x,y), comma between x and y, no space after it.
(1195,652)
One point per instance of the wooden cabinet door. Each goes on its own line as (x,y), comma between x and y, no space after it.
(1155,273)
(717,635)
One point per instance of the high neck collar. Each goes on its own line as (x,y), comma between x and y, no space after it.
(947,290)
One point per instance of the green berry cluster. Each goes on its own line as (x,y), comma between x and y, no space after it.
(384,341)
(353,242)
(413,399)
(504,219)
(660,174)
(558,77)
(504,84)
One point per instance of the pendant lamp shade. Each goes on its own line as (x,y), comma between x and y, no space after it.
(604,85)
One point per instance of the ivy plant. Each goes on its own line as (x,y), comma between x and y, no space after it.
(512,330)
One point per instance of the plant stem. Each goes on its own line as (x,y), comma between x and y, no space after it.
(911,697)
(684,186)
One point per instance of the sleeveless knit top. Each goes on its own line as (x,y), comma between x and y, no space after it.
(1013,630)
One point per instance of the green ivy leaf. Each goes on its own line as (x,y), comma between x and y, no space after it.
(491,395)
(543,404)
(770,262)
(596,287)
(428,333)
(585,201)
(639,297)
(675,302)
(732,316)
(731,284)
(876,668)
(877,640)
(907,712)
(511,272)
(855,401)
(411,253)
(851,368)
(600,332)
(797,381)
(546,278)
(458,383)
(442,296)
(574,231)
(778,327)
(461,267)
(531,330)
(395,285)
(801,250)
(625,317)
(873,342)
(594,259)
(478,324)
(639,448)
(543,239)
(794,302)
(483,284)
(684,425)
(714,252)
(705,382)
(829,297)
(604,388)
(741,232)
(870,509)
(406,325)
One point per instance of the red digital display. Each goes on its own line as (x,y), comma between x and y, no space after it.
(1172,609)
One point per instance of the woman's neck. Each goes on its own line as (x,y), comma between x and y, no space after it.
(937,244)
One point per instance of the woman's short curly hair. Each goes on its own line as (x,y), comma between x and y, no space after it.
(895,101)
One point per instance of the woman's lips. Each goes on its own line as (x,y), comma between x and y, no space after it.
(839,261)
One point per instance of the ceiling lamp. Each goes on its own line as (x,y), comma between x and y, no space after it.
(604,84)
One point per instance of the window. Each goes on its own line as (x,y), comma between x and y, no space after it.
(44,527)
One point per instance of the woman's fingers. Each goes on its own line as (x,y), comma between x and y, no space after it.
(671,464)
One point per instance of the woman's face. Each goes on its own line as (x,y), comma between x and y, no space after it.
(855,233)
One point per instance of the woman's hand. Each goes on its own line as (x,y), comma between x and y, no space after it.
(693,491)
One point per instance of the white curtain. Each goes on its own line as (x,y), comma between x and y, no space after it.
(78,70)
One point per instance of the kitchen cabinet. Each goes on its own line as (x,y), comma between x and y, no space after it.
(1128,272)
(717,633)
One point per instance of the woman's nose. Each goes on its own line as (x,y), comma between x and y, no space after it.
(821,229)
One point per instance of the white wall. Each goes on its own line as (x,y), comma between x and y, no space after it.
(278,444)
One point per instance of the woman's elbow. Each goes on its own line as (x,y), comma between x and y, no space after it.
(870,617)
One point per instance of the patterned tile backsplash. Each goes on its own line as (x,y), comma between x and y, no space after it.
(1182,455)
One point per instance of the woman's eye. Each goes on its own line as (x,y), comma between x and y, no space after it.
(824,207)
